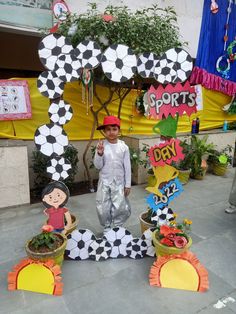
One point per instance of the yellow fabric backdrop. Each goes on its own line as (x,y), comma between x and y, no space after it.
(79,127)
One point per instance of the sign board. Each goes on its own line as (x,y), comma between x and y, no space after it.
(172,99)
(14,100)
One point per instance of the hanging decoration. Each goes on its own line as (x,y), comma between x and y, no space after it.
(87,90)
(223,62)
(60,11)
(214,66)
(214,7)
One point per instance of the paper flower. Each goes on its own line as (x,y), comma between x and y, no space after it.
(180,242)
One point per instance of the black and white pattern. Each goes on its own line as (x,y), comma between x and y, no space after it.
(89,54)
(60,112)
(49,85)
(163,216)
(146,64)
(51,47)
(78,243)
(147,238)
(119,63)
(174,66)
(137,248)
(58,168)
(99,250)
(183,63)
(165,71)
(68,68)
(51,139)
(118,237)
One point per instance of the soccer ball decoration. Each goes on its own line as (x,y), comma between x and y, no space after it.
(118,237)
(165,71)
(163,216)
(49,85)
(119,63)
(99,250)
(137,248)
(60,112)
(78,242)
(183,63)
(68,68)
(146,64)
(89,54)
(51,139)
(147,238)
(174,66)
(51,47)
(58,168)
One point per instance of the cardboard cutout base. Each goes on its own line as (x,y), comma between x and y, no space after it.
(182,271)
(35,276)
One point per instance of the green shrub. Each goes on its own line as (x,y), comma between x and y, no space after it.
(39,165)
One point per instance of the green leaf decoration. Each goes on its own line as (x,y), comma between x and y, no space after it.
(167,127)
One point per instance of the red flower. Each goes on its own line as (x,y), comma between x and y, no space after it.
(171,236)
(108,18)
(47,228)
(167,242)
(180,242)
(165,230)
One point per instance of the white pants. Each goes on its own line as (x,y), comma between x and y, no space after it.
(112,205)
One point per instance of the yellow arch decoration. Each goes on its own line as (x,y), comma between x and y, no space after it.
(36,276)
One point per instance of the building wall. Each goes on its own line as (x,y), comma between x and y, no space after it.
(189,13)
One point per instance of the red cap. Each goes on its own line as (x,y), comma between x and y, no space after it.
(109,120)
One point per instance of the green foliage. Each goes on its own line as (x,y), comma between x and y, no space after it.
(39,165)
(199,149)
(214,156)
(184,164)
(43,239)
(151,29)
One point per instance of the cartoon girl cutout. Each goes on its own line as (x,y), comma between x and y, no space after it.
(54,197)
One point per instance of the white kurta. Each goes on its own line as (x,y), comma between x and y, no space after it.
(114,176)
(114,164)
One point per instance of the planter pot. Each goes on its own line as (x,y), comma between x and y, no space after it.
(199,176)
(162,250)
(57,255)
(151,180)
(143,223)
(219,169)
(184,176)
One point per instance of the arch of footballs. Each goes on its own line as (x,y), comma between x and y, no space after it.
(64,63)
(118,242)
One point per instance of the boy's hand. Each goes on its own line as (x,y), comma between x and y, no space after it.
(127,191)
(100,148)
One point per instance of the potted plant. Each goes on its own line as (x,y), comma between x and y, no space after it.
(184,166)
(220,159)
(173,238)
(145,220)
(47,245)
(198,155)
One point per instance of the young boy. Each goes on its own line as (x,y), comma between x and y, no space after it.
(113,160)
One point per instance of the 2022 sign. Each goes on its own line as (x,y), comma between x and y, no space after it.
(170,191)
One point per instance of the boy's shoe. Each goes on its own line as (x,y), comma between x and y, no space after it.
(231,209)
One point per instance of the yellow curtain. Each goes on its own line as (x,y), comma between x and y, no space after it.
(79,128)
